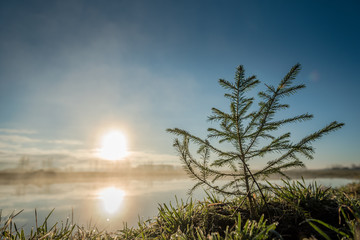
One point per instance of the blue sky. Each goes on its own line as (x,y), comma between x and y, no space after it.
(71,70)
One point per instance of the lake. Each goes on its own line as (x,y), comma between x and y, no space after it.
(106,204)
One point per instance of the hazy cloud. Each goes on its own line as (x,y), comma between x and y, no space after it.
(16,131)
(65,142)
(17,139)
(17,145)
(152,158)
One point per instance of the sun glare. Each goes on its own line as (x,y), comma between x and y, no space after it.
(112,199)
(113,146)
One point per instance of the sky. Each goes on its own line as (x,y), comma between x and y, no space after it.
(70,71)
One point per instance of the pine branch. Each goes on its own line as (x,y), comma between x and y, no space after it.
(278,169)
(218,115)
(299,118)
(247,104)
(302,146)
(185,156)
(278,144)
(226,84)
(197,140)
(215,133)
(287,80)
(223,162)
(264,116)
(284,92)
(317,135)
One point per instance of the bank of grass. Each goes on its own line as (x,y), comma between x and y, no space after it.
(293,211)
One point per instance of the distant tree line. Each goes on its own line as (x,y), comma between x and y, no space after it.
(341,167)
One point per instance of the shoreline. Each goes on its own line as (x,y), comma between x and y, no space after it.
(51,176)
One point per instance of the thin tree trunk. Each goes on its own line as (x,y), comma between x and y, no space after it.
(248,195)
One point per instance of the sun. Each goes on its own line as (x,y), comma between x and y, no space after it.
(113,146)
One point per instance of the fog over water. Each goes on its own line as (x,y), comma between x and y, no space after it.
(106,204)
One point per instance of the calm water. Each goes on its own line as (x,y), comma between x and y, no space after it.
(103,204)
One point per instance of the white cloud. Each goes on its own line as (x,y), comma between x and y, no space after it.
(65,142)
(17,139)
(18,144)
(16,131)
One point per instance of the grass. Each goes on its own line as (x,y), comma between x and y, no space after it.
(294,211)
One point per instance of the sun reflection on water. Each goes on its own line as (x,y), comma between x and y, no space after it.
(112,199)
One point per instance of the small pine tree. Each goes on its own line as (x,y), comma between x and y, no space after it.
(252,134)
